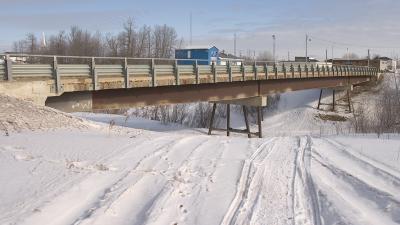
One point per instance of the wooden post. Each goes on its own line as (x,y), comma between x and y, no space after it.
(212,118)
(8,64)
(333,99)
(259,121)
(319,100)
(228,119)
(246,121)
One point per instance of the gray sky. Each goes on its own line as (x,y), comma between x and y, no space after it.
(354,24)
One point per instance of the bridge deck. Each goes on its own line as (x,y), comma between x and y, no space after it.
(162,81)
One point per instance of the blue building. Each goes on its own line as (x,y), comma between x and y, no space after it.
(204,55)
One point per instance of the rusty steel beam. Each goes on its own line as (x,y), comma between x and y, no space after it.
(163,95)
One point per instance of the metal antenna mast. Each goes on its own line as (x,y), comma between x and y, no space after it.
(191,31)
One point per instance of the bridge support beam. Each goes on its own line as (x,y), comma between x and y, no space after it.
(347,89)
(257,102)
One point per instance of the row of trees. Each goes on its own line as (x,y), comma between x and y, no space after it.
(158,41)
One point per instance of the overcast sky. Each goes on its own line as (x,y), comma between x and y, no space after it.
(354,24)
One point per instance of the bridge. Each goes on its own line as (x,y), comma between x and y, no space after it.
(75,83)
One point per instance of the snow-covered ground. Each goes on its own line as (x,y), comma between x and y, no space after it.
(156,174)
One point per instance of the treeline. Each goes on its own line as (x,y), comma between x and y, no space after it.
(158,41)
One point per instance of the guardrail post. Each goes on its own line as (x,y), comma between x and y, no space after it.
(306,70)
(312,71)
(284,70)
(292,70)
(323,71)
(196,71)
(255,71)
(176,70)
(275,71)
(243,70)
(94,74)
(318,71)
(126,74)
(56,75)
(327,70)
(214,71)
(153,73)
(229,71)
(8,64)
(299,69)
(266,70)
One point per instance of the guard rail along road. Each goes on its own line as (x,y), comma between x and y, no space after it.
(76,83)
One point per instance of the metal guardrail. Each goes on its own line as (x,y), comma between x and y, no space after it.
(58,67)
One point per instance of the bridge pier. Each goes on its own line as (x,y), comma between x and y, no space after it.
(348,97)
(258,102)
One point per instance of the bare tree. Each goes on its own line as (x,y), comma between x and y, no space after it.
(265,56)
(351,55)
(127,38)
(112,45)
(164,40)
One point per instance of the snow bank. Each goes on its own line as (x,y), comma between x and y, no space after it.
(17,115)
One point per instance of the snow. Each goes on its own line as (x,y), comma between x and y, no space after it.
(133,171)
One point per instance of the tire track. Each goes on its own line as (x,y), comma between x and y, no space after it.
(111,198)
(244,183)
(306,209)
(380,174)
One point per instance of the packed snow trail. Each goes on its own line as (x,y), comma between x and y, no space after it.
(194,179)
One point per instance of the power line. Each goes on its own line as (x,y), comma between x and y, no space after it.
(353,45)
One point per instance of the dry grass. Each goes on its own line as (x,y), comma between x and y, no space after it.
(331,117)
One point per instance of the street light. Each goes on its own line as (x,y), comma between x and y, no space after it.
(274,47)
(307,40)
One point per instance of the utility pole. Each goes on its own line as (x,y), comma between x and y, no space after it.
(288,56)
(368,57)
(326,57)
(234,44)
(191,32)
(332,55)
(274,47)
(306,48)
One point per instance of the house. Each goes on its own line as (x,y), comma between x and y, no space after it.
(381,63)
(21,59)
(303,59)
(224,58)
(204,55)
(300,61)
